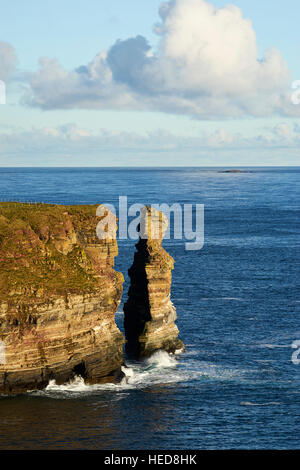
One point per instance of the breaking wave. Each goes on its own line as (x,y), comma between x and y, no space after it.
(161,359)
(158,370)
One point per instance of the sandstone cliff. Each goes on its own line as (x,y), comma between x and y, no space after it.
(149,312)
(58,297)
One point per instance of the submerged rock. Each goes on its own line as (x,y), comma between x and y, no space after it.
(149,312)
(58,297)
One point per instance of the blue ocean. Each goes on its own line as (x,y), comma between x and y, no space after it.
(238,300)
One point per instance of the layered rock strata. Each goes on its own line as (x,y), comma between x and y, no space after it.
(149,312)
(58,297)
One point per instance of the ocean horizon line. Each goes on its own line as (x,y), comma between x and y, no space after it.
(147,167)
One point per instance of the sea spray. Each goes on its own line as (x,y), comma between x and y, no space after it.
(161,359)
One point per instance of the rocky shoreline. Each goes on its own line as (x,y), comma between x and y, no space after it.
(59,294)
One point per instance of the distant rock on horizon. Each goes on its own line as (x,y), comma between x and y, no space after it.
(231,171)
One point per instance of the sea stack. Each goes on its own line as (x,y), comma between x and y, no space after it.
(149,314)
(58,297)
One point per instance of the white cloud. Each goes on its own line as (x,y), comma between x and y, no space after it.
(206,65)
(215,51)
(70,139)
(90,87)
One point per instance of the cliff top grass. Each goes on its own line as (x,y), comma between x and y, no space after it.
(43,250)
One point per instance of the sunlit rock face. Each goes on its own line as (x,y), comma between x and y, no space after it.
(58,297)
(149,312)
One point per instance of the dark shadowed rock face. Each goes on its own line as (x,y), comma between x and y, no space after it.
(149,312)
(58,297)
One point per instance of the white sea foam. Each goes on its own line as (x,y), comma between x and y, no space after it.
(249,403)
(275,346)
(159,369)
(179,351)
(75,385)
(128,371)
(161,359)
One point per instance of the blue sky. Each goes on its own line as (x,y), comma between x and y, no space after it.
(188,91)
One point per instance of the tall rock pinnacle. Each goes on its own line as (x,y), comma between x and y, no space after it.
(149,312)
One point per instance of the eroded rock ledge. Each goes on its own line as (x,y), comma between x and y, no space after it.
(58,297)
(59,294)
(149,312)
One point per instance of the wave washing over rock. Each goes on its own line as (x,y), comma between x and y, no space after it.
(59,295)
(159,368)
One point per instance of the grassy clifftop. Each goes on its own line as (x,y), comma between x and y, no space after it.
(43,250)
